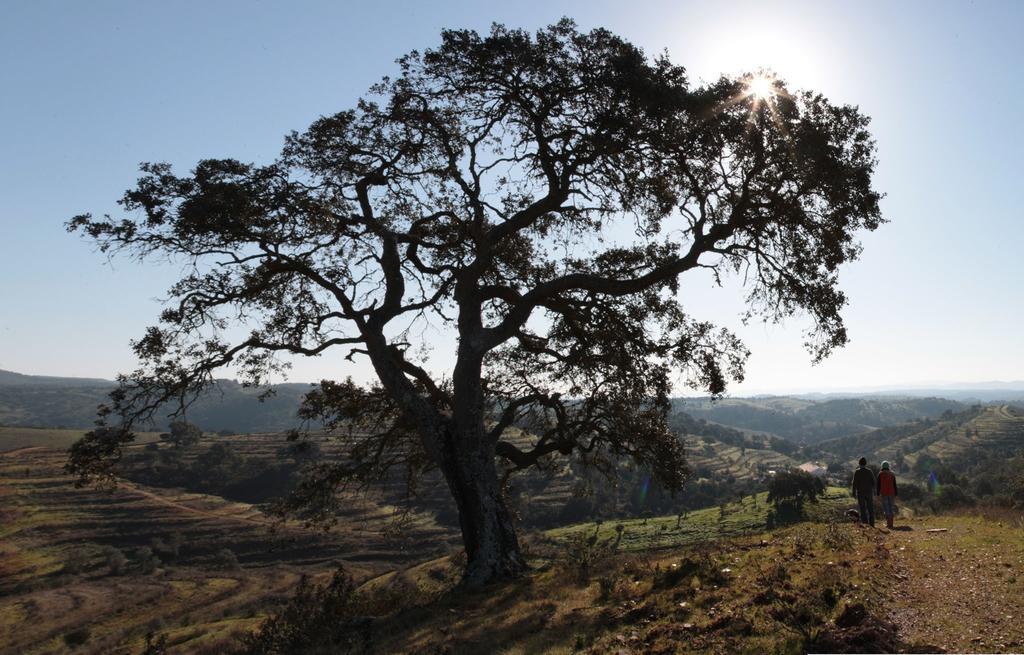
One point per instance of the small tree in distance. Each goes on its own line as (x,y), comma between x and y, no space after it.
(540,197)
(796,486)
(182,434)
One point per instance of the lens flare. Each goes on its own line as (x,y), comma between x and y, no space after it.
(644,488)
(762,87)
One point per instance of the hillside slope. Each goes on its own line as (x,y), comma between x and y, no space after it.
(958,439)
(812,587)
(56,575)
(811,422)
(36,401)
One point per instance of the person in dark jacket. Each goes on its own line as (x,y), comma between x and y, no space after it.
(864,490)
(886,488)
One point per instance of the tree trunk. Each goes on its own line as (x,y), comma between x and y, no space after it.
(492,548)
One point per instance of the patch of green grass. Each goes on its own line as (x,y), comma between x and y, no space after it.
(740,518)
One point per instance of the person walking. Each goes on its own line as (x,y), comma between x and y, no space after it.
(886,488)
(864,490)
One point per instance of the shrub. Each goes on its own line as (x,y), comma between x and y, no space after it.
(169,548)
(606,585)
(951,496)
(805,614)
(182,434)
(318,620)
(837,536)
(911,492)
(795,485)
(775,575)
(226,559)
(700,566)
(77,638)
(76,561)
(584,552)
(115,560)
(147,561)
(155,644)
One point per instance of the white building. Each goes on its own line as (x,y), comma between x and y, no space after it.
(814,469)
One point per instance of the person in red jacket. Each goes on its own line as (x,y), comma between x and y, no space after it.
(887,491)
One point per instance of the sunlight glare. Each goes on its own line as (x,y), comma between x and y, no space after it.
(761,87)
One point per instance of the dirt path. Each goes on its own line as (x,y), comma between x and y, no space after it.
(962,590)
(219,514)
(24,450)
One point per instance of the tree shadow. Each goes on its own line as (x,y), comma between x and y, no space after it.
(472,621)
(902,528)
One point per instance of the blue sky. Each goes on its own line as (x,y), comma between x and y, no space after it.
(89,90)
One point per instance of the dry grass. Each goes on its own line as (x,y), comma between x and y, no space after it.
(705,598)
(198,604)
(15,438)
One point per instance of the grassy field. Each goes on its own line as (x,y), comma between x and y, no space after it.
(809,587)
(54,541)
(14,438)
(748,516)
(714,580)
(56,579)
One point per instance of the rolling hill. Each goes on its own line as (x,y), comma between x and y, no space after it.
(55,402)
(811,422)
(975,434)
(74,559)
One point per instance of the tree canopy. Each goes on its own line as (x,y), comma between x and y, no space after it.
(795,485)
(182,434)
(539,196)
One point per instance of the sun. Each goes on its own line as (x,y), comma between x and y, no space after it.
(762,87)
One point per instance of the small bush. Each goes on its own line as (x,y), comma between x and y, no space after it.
(76,561)
(227,560)
(318,620)
(77,638)
(156,625)
(806,615)
(155,644)
(584,552)
(700,566)
(115,560)
(773,576)
(168,548)
(438,574)
(147,561)
(952,495)
(606,585)
(795,485)
(837,536)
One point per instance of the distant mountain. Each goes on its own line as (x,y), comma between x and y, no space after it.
(43,401)
(10,378)
(807,421)
(50,401)
(986,392)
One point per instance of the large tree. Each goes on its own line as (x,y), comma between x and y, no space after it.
(540,197)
